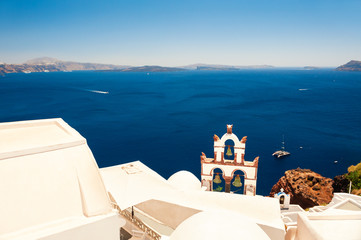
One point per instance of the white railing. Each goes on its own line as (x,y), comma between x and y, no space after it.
(136,221)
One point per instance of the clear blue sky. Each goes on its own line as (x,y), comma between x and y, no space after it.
(180,32)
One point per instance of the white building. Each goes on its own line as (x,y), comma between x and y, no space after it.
(50,185)
(340,219)
(284,199)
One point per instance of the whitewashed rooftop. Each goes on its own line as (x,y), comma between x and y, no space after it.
(134,184)
(50,185)
(28,137)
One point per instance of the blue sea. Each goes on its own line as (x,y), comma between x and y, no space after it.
(166,120)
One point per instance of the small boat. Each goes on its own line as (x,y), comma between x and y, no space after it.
(281,153)
(27,71)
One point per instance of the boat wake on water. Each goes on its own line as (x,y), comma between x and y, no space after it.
(97,91)
(89,90)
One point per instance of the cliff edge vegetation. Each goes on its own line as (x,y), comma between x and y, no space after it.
(354,175)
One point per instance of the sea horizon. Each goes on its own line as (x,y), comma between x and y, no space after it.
(166,120)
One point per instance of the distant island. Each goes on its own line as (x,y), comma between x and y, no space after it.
(353,65)
(47,64)
(199,67)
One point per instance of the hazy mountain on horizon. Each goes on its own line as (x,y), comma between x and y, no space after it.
(49,64)
(50,60)
(353,65)
(71,65)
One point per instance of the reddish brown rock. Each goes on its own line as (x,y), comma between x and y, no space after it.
(305,187)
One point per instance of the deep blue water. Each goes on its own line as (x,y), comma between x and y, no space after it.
(167,119)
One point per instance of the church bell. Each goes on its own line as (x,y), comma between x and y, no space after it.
(229,151)
(217,179)
(237,181)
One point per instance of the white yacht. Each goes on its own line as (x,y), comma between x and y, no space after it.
(281,153)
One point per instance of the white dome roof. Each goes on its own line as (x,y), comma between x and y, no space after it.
(185,181)
(218,225)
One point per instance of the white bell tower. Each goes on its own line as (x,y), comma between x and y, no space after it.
(222,174)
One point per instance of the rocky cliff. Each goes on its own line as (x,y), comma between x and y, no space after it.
(353,65)
(305,187)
